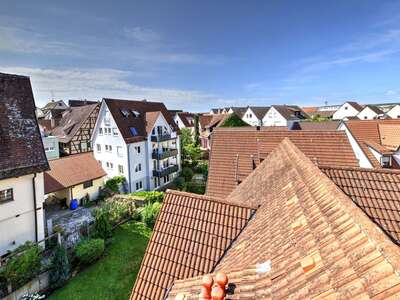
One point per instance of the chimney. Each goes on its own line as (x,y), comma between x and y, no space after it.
(214,292)
(258,128)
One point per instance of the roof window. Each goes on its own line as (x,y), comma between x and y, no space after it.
(124,112)
(135,113)
(133,131)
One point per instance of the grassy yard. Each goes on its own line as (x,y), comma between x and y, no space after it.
(113,276)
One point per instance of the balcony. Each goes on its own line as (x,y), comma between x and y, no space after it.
(164,154)
(163,137)
(166,171)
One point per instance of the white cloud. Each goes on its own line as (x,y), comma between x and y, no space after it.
(141,34)
(101,83)
(391,93)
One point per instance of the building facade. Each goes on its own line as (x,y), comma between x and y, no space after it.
(138,140)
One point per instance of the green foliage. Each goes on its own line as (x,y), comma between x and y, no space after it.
(114,182)
(192,152)
(179,183)
(150,196)
(60,267)
(318,118)
(194,187)
(186,137)
(202,168)
(196,130)
(234,121)
(23,266)
(87,251)
(102,225)
(150,213)
(187,173)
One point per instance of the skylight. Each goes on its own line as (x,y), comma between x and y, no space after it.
(133,131)
(125,112)
(135,113)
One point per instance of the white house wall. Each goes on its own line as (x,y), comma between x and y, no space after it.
(274,118)
(345,111)
(17,219)
(363,160)
(394,113)
(367,114)
(250,118)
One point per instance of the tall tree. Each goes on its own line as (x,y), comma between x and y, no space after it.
(196,130)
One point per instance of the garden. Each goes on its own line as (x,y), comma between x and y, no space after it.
(108,256)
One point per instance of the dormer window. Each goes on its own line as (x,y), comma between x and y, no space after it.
(386,161)
(124,112)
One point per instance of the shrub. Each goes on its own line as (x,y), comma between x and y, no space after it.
(179,183)
(194,187)
(202,168)
(187,173)
(23,267)
(234,121)
(150,197)
(60,267)
(88,251)
(114,182)
(102,225)
(149,214)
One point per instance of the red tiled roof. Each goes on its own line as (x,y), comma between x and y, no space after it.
(204,120)
(191,234)
(21,147)
(376,192)
(368,130)
(71,170)
(323,125)
(307,240)
(235,152)
(139,123)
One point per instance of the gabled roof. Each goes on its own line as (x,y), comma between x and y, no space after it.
(138,122)
(370,131)
(204,120)
(191,234)
(376,192)
(72,103)
(236,151)
(21,147)
(216,120)
(307,240)
(71,170)
(355,105)
(71,121)
(54,104)
(322,125)
(374,108)
(259,111)
(187,118)
(239,111)
(288,112)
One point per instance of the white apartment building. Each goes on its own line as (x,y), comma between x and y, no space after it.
(138,140)
(22,163)
(348,110)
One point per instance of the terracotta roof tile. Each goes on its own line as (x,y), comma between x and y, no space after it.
(390,135)
(71,170)
(307,240)
(236,152)
(323,125)
(204,120)
(191,234)
(376,192)
(21,147)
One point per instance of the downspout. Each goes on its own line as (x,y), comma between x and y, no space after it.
(129,168)
(35,208)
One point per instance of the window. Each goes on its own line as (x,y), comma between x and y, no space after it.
(100,131)
(137,149)
(135,113)
(83,146)
(119,151)
(108,148)
(365,117)
(345,107)
(133,131)
(115,131)
(98,147)
(99,161)
(120,169)
(49,147)
(125,112)
(87,184)
(108,131)
(139,185)
(109,165)
(138,168)
(6,195)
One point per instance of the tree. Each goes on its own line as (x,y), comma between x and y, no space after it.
(234,121)
(186,137)
(59,272)
(192,152)
(196,130)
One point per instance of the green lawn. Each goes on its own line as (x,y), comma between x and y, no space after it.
(113,276)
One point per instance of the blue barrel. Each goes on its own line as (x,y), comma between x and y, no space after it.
(74,204)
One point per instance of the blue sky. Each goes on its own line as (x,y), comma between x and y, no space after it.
(195,55)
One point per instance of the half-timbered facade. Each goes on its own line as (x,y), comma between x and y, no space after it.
(75,129)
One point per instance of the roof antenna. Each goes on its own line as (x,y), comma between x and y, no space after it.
(52,95)
(236,168)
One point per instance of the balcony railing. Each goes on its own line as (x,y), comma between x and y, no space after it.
(164,154)
(163,137)
(166,171)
